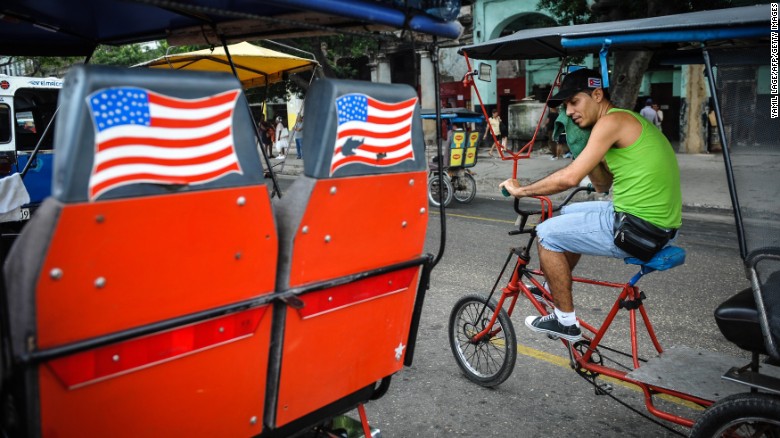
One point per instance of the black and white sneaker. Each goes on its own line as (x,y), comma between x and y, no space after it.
(549,325)
(536,293)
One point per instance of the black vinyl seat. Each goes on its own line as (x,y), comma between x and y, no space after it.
(738,320)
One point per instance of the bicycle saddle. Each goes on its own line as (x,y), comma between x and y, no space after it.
(667,258)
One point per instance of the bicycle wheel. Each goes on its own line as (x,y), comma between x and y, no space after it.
(490,360)
(465,188)
(436,196)
(740,415)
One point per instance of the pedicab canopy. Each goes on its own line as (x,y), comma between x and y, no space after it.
(654,33)
(256,66)
(76,27)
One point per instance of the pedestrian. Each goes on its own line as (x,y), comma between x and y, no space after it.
(282,139)
(298,136)
(659,117)
(494,122)
(266,137)
(625,152)
(649,113)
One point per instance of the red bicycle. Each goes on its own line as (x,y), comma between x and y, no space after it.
(483,339)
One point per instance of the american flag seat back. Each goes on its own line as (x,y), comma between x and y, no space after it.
(361,206)
(144,280)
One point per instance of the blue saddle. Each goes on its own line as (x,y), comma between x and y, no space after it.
(667,258)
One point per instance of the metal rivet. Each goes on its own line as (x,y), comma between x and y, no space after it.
(403,224)
(238,256)
(411,182)
(330,298)
(253,420)
(115,358)
(333,190)
(100,218)
(305,229)
(241,200)
(327,238)
(222,329)
(422,210)
(55,273)
(100,282)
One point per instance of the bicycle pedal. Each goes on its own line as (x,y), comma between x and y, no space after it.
(603,388)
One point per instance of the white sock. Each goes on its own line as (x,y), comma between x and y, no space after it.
(566,318)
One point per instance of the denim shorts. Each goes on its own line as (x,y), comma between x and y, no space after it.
(582,228)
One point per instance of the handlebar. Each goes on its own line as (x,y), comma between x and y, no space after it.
(545,205)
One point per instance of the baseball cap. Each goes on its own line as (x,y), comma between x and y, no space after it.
(583,79)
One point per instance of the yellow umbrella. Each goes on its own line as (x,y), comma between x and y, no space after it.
(256,66)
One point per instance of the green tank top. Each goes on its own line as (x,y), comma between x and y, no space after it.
(646,179)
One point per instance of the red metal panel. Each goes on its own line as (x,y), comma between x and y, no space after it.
(330,355)
(356,224)
(130,262)
(215,392)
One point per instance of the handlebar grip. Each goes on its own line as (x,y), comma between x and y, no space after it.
(505,192)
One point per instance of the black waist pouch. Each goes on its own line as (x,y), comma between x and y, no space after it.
(638,237)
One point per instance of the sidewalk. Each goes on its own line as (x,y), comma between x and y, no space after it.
(703,176)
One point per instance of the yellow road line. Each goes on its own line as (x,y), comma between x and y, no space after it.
(563,362)
(487,219)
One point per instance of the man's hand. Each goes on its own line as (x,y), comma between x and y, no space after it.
(512,186)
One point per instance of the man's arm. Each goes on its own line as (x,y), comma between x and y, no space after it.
(601,177)
(604,134)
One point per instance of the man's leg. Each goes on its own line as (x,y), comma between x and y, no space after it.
(557,271)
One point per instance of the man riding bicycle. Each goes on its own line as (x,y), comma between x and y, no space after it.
(624,152)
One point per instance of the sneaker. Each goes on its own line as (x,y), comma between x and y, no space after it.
(549,324)
(567,155)
(280,157)
(537,294)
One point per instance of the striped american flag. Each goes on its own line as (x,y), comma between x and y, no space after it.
(372,132)
(146,137)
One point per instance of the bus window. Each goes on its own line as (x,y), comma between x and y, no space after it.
(34,109)
(5,124)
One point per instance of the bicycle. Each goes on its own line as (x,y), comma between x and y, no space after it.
(459,184)
(483,340)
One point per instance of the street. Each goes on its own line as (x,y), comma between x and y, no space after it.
(543,396)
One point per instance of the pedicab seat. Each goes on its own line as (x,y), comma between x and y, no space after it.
(667,258)
(751,318)
(122,300)
(348,228)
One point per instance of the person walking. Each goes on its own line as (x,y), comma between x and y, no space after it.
(659,117)
(649,113)
(282,140)
(298,136)
(494,122)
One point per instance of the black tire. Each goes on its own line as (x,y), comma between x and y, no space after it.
(434,196)
(464,188)
(748,414)
(489,361)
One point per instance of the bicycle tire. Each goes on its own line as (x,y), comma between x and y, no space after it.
(488,362)
(434,195)
(740,415)
(469,188)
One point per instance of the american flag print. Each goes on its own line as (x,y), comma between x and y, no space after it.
(372,132)
(147,137)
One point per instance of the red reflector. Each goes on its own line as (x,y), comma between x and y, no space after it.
(124,357)
(324,301)
(5,85)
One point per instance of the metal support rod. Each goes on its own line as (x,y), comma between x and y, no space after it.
(276,189)
(439,151)
(726,156)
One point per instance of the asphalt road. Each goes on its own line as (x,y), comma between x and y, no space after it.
(543,396)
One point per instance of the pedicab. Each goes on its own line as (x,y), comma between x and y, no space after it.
(460,155)
(159,291)
(738,399)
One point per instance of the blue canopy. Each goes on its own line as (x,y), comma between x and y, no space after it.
(670,32)
(76,27)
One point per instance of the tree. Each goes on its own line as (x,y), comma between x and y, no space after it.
(629,66)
